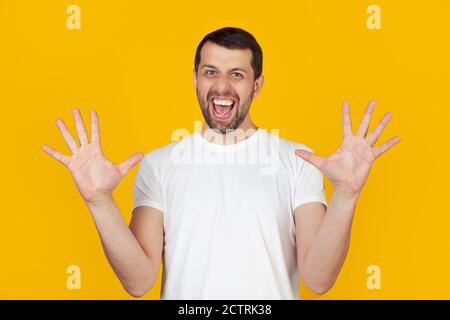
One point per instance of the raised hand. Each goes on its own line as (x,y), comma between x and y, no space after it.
(95,176)
(349,167)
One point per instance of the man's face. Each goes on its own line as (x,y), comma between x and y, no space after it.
(225,86)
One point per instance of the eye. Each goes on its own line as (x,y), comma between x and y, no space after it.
(210,72)
(237,75)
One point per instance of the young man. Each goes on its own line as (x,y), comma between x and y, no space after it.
(233,211)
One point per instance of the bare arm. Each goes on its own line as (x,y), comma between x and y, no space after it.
(134,252)
(132,255)
(323,237)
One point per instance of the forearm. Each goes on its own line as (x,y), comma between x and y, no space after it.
(328,251)
(136,271)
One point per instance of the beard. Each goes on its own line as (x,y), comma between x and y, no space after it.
(234,123)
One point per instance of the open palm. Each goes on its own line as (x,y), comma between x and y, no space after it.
(349,167)
(95,176)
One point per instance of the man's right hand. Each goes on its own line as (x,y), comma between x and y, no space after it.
(95,176)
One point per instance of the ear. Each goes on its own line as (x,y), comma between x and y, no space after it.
(258,86)
(195,79)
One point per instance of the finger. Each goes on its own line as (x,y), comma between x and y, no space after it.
(375,134)
(56,154)
(365,121)
(81,129)
(311,158)
(378,151)
(346,120)
(95,133)
(125,166)
(70,141)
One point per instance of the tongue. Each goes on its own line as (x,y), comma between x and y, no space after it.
(222,109)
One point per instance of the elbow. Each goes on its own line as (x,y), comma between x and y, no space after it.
(137,292)
(320,289)
(138,289)
(136,295)
(319,286)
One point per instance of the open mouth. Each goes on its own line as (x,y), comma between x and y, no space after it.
(222,107)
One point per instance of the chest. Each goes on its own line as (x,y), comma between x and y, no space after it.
(229,189)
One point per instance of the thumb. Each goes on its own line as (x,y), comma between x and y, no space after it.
(313,159)
(125,166)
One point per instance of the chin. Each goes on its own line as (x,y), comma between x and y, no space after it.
(222,129)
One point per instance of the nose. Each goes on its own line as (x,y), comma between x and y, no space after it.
(223,85)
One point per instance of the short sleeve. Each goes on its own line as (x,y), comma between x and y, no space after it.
(309,183)
(146,189)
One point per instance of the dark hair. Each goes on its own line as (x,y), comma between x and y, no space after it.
(234,38)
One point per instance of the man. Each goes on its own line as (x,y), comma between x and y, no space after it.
(227,224)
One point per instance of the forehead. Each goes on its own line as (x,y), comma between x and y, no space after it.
(222,57)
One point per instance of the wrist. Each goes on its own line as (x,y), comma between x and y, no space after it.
(100,201)
(345,195)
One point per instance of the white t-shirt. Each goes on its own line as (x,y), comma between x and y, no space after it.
(229,229)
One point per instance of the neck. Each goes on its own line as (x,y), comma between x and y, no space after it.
(245,130)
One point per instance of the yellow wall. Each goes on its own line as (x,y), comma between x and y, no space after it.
(132,62)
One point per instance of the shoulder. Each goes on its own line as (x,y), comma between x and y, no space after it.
(295,165)
(287,146)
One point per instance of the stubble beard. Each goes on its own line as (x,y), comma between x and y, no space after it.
(240,114)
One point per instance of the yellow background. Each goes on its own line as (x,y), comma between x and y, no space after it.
(133,61)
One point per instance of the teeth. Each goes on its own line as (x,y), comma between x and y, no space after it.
(223,102)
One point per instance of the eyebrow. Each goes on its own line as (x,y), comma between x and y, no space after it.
(214,67)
